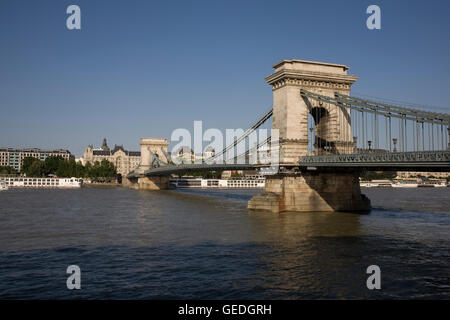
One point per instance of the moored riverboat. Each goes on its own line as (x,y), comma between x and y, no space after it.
(28,182)
(217,183)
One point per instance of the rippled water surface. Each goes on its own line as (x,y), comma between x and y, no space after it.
(205,244)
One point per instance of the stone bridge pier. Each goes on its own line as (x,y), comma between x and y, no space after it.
(151,148)
(310,191)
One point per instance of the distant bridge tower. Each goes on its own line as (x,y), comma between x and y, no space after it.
(153,150)
(150,148)
(310,191)
(291,110)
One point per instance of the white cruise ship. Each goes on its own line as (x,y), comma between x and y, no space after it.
(218,183)
(27,182)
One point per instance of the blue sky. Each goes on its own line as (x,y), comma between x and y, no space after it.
(144,68)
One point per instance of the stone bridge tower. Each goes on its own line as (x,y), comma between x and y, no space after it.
(315,190)
(155,146)
(150,148)
(291,110)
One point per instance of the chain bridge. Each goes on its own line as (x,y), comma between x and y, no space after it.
(326,138)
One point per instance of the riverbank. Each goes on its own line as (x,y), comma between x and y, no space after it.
(101,184)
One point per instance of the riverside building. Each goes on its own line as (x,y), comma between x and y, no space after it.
(125,161)
(14,157)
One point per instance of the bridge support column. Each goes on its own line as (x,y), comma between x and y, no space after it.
(148,183)
(309,192)
(153,183)
(138,180)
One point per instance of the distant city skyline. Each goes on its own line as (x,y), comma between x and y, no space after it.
(143,68)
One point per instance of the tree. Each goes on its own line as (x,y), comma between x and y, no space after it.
(95,170)
(104,169)
(79,170)
(51,164)
(107,169)
(206,174)
(67,168)
(36,169)
(371,175)
(72,168)
(26,164)
(32,167)
(7,170)
(87,170)
(63,169)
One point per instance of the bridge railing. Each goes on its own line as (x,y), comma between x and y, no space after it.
(380,157)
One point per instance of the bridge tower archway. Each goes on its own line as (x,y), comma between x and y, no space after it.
(319,120)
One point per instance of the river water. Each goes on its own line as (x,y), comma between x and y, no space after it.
(204,244)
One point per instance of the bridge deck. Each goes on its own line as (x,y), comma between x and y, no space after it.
(427,161)
(161,171)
